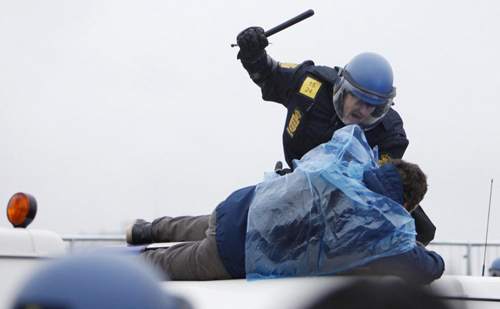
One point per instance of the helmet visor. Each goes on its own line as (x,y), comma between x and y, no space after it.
(365,94)
(358,106)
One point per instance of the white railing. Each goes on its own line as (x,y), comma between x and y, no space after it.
(461,258)
(76,243)
(466,258)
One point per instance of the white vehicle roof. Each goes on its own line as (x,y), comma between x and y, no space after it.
(20,242)
(294,293)
(22,251)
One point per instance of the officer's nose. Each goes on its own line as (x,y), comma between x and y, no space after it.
(365,110)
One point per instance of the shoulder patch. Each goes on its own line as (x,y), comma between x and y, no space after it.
(288,65)
(310,87)
(383,159)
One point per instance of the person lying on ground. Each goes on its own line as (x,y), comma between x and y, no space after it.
(337,207)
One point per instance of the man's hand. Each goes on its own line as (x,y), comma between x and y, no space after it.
(252,43)
(278,169)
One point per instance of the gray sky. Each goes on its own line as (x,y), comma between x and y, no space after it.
(116,110)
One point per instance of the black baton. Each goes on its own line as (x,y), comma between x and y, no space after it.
(286,24)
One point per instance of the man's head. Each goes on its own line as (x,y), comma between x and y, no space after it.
(414,182)
(363,92)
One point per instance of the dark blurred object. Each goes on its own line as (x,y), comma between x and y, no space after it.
(495,268)
(376,294)
(278,169)
(425,228)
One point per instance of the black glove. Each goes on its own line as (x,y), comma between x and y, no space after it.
(278,169)
(252,43)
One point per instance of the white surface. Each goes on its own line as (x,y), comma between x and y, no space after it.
(287,293)
(295,293)
(20,242)
(22,251)
(472,287)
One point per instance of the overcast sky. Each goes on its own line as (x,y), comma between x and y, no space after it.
(116,110)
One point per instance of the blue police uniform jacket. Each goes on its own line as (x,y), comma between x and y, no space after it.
(306,90)
(417,265)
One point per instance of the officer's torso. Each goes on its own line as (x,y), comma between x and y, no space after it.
(312,120)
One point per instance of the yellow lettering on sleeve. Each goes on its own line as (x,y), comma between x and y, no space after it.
(294,122)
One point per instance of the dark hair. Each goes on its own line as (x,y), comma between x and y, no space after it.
(414,182)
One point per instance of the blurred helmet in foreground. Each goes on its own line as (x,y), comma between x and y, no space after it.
(95,281)
(495,268)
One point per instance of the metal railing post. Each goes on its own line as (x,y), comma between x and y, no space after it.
(469,263)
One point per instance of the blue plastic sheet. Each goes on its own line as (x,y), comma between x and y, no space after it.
(321,219)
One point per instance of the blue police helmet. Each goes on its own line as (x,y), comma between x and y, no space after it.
(95,281)
(371,71)
(368,78)
(495,268)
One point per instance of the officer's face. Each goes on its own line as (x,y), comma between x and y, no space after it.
(355,110)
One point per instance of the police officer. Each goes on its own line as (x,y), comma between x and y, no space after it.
(321,99)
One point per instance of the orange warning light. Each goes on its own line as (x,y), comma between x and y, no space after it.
(21,209)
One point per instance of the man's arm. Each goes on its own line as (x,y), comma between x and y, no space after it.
(276,79)
(417,266)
